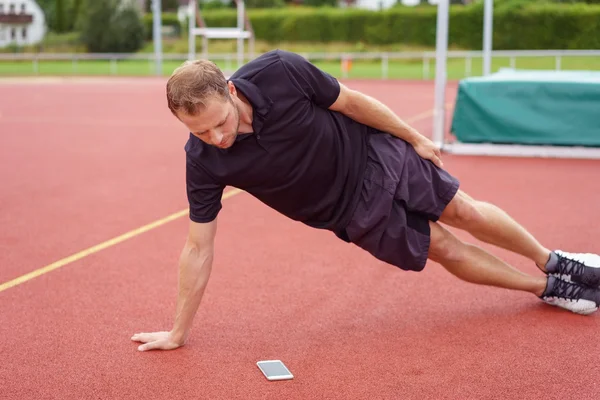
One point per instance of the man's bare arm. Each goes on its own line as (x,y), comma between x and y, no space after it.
(370,111)
(195,265)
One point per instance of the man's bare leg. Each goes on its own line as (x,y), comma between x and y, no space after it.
(492,225)
(473,264)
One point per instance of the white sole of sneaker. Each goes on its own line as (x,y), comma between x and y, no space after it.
(582,307)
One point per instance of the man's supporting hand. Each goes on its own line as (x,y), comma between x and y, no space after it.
(195,264)
(157,341)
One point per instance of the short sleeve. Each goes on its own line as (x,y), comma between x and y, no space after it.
(203,193)
(322,88)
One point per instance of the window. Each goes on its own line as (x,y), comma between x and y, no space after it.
(24,33)
(11,9)
(13,34)
(1,8)
(23,8)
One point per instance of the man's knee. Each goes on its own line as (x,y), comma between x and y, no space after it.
(462,212)
(444,246)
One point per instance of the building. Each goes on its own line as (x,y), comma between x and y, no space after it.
(22,23)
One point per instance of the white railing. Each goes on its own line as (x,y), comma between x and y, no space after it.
(230,59)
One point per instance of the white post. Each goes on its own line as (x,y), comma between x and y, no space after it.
(240,24)
(468,66)
(157,22)
(205,47)
(441,52)
(488,19)
(192,25)
(384,66)
(113,66)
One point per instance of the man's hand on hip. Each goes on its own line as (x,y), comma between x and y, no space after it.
(156,341)
(429,151)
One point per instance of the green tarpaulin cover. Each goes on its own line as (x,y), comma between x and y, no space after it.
(529,107)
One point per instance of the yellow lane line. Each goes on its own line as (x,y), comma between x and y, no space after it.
(424,115)
(104,245)
(136,232)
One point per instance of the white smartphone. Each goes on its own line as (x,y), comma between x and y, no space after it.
(274,370)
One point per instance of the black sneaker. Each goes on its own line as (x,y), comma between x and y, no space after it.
(571,296)
(575,267)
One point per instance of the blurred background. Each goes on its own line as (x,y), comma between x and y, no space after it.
(348,38)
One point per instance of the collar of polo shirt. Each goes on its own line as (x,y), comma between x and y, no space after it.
(261,104)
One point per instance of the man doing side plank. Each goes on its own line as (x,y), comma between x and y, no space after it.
(333,158)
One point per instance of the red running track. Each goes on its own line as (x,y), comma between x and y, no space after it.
(85,162)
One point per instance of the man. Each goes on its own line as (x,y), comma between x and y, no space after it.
(333,158)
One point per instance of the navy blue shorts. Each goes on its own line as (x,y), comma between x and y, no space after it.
(401,193)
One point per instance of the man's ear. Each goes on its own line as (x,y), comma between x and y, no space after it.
(231,88)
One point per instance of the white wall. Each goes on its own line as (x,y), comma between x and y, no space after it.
(34,32)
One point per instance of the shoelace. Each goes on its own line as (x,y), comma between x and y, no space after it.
(569,266)
(567,290)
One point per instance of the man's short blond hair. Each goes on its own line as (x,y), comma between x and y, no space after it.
(194,83)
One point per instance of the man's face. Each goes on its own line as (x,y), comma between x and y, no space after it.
(217,124)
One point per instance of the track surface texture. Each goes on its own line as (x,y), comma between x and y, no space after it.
(84,161)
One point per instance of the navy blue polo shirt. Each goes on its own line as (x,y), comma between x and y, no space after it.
(301,159)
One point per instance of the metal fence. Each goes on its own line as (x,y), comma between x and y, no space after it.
(29,63)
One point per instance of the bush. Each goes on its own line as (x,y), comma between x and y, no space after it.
(550,26)
(166,5)
(61,15)
(111,26)
(168,19)
(520,26)
(320,3)
(214,5)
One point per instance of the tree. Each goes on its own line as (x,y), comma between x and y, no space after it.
(111,26)
(165,5)
(60,16)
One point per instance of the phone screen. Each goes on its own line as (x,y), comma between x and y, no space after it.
(273,368)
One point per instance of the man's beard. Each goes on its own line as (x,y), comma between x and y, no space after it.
(237,125)
(234,134)
(237,117)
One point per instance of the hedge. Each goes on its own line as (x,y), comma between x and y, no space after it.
(535,26)
(168,19)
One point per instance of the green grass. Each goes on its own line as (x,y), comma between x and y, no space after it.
(397,69)
(456,68)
